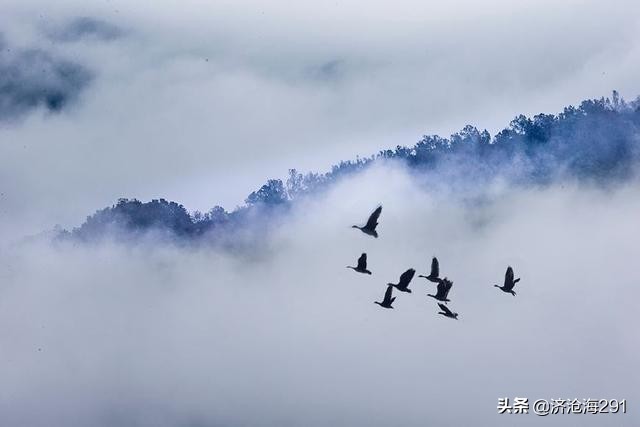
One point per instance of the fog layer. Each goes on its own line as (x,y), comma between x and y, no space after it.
(156,335)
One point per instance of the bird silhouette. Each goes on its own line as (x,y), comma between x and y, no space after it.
(434,276)
(388,300)
(444,286)
(405,279)
(372,223)
(446,312)
(509,282)
(362,265)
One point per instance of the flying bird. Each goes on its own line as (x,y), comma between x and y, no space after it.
(509,282)
(388,300)
(444,286)
(405,279)
(446,312)
(434,276)
(362,265)
(372,223)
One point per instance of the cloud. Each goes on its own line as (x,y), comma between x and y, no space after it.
(286,335)
(85,27)
(33,78)
(202,103)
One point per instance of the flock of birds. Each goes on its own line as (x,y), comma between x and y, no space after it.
(443,285)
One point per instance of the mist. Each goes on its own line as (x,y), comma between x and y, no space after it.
(151,334)
(188,97)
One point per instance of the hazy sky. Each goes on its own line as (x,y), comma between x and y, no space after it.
(201,102)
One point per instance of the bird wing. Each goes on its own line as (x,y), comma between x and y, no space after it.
(508,276)
(406,277)
(373,219)
(444,308)
(362,262)
(435,268)
(441,289)
(447,286)
(387,294)
(508,279)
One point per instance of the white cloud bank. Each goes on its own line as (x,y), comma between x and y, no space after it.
(160,336)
